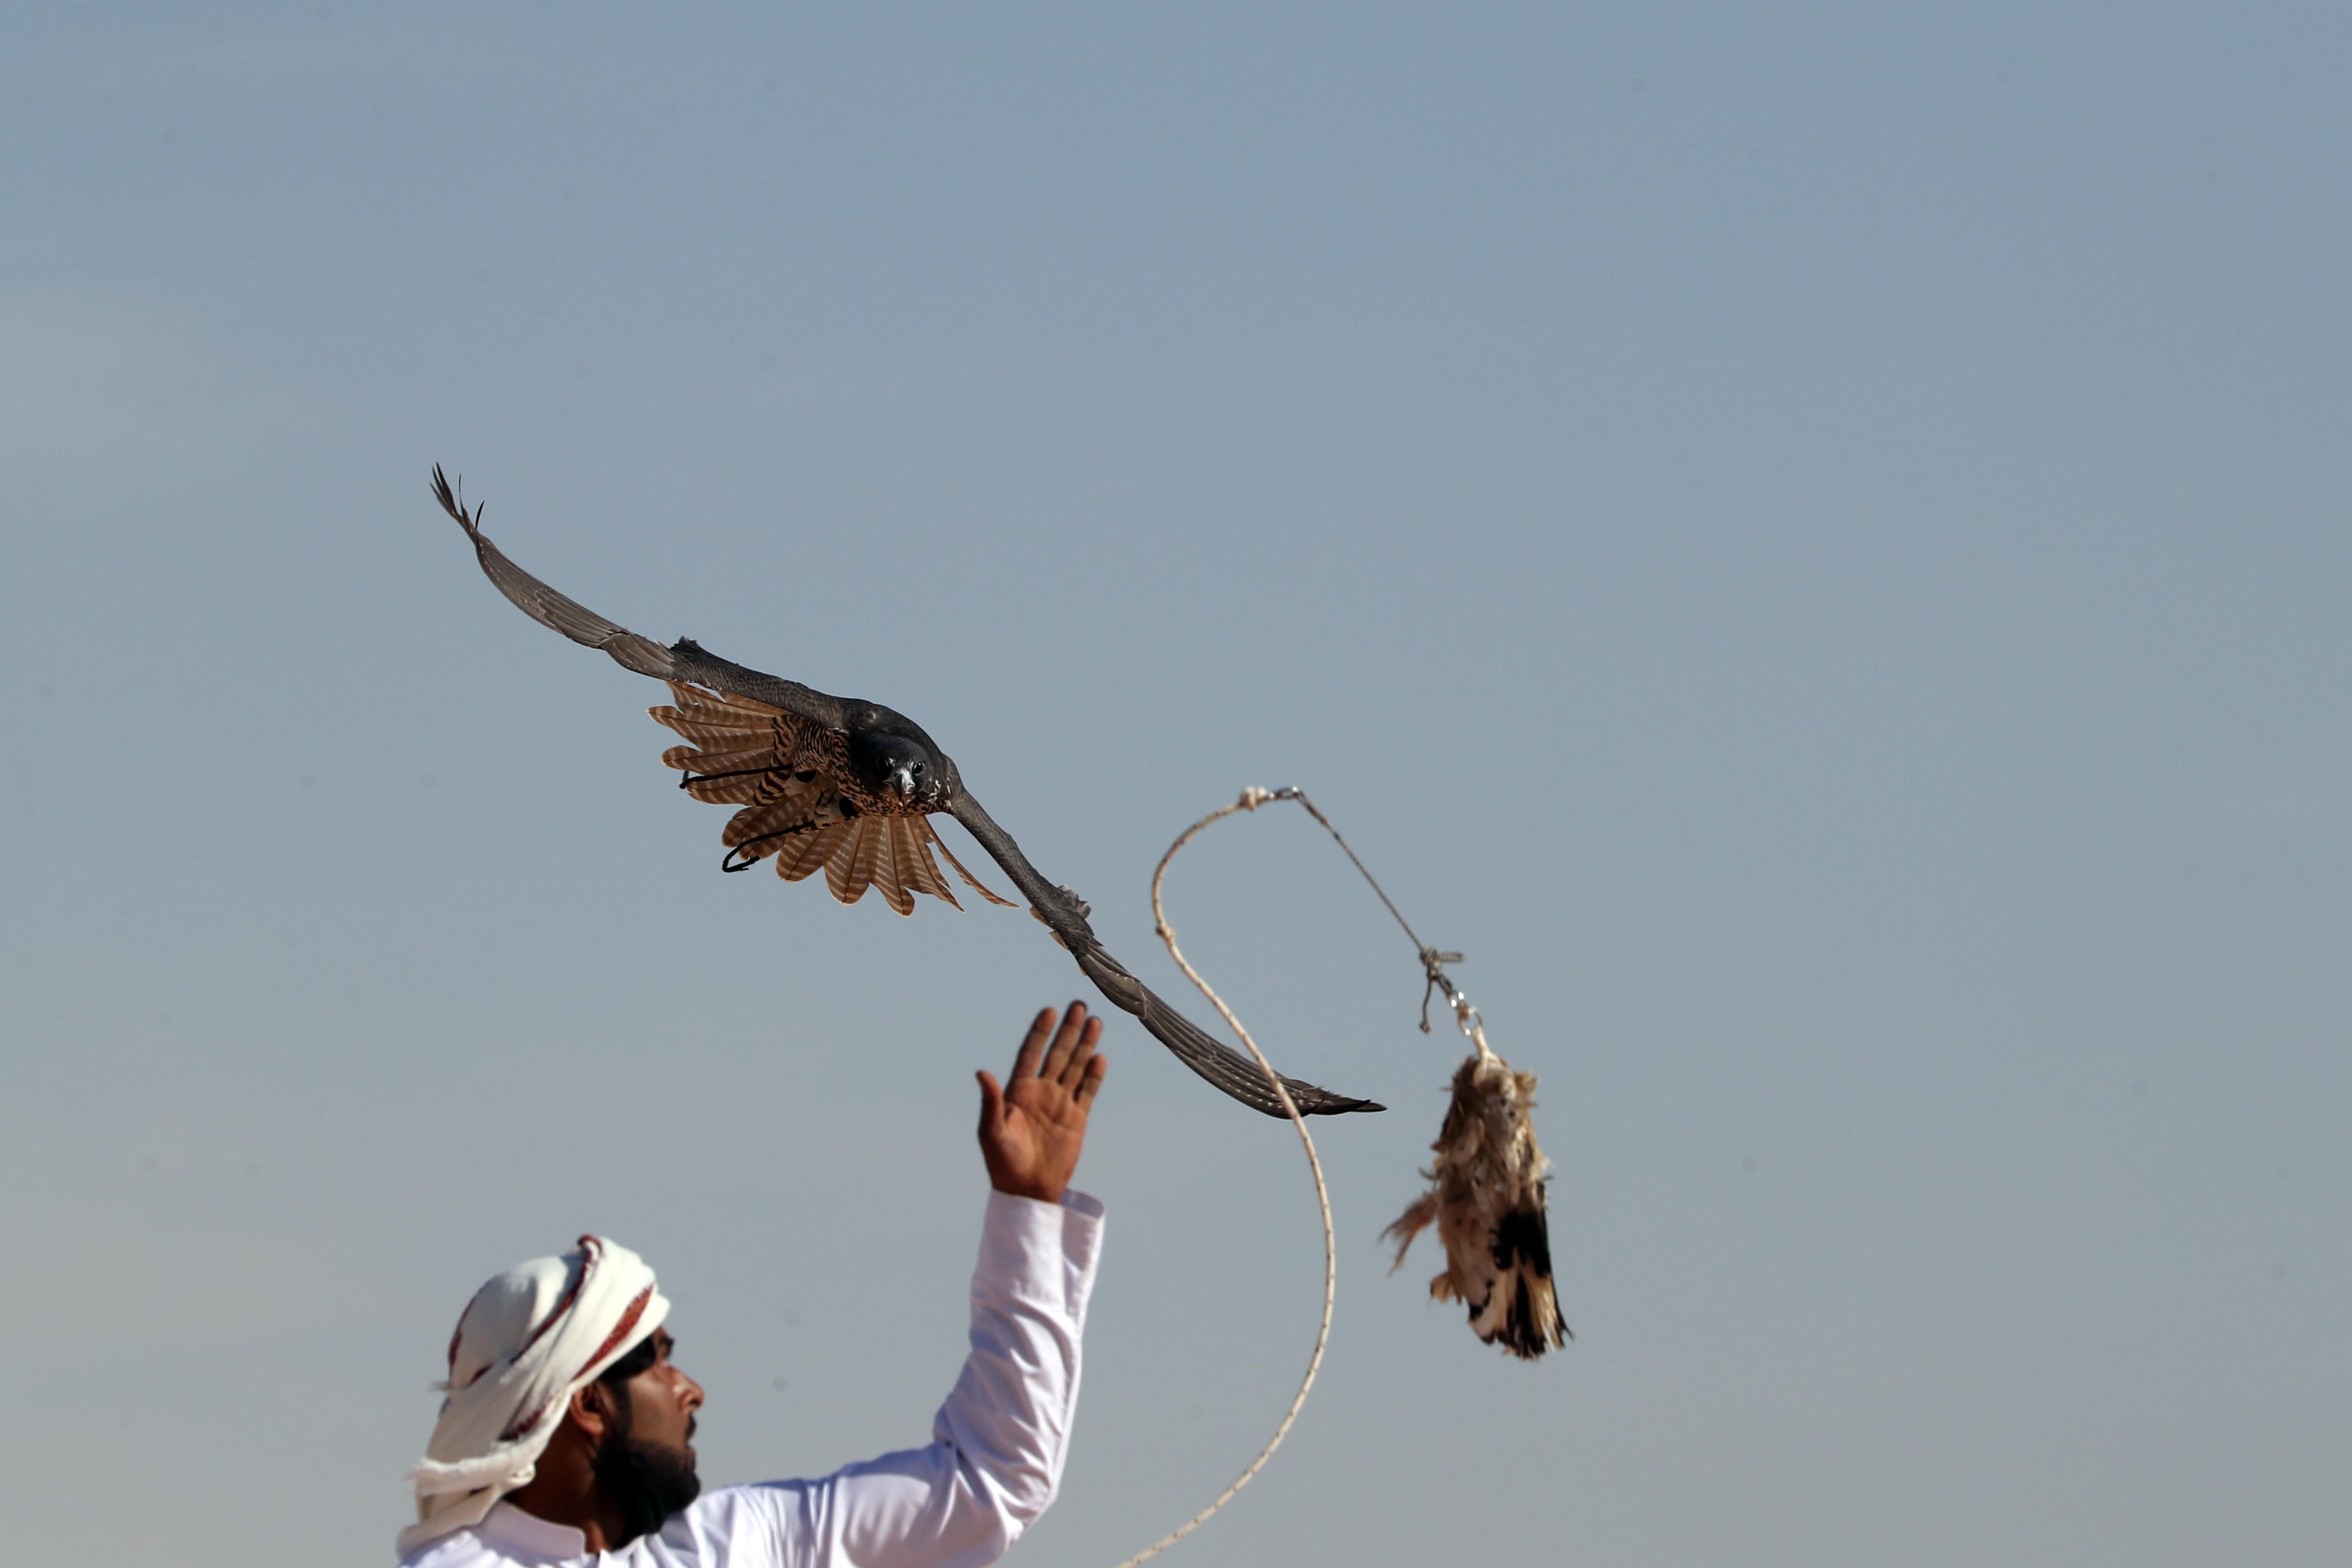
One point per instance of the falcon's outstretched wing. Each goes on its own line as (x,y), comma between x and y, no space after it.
(585,626)
(788,755)
(1066,913)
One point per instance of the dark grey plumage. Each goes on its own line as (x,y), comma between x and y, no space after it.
(867,761)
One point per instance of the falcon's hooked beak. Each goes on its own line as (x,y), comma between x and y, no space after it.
(910,779)
(900,771)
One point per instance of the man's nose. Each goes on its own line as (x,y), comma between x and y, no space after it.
(691,1399)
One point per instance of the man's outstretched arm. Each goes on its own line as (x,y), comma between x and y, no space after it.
(1000,1441)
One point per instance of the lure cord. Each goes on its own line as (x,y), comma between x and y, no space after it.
(1433,964)
(1251,800)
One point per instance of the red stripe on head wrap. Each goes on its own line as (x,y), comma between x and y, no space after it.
(523,1426)
(621,1330)
(595,1249)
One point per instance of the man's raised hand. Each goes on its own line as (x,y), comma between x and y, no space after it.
(1032,1129)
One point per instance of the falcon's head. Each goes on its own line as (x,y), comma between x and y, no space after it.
(894,764)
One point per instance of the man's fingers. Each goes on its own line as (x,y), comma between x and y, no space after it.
(1066,1040)
(1091,1084)
(1033,1046)
(992,1102)
(1074,1068)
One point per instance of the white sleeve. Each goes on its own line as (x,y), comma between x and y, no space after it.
(998,1443)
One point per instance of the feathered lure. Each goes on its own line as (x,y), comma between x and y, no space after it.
(1486,1184)
(1487,1198)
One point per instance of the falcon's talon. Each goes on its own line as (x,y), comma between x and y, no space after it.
(693,778)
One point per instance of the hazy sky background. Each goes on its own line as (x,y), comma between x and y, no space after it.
(1813,546)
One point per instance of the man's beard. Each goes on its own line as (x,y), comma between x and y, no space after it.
(648,1482)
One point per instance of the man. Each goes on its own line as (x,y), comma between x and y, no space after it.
(567,1432)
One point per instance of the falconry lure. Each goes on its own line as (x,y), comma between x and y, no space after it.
(847,787)
(1487,1198)
(1488,1181)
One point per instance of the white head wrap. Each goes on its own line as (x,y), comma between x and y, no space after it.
(526,1341)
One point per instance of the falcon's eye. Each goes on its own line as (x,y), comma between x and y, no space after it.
(918,770)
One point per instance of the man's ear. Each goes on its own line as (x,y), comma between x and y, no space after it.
(592,1410)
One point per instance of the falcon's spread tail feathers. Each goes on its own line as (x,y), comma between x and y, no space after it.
(749,754)
(1487,1201)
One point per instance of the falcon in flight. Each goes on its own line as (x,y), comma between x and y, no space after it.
(847,786)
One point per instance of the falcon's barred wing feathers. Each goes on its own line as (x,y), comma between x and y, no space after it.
(788,755)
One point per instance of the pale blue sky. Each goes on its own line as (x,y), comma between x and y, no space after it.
(1813,546)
